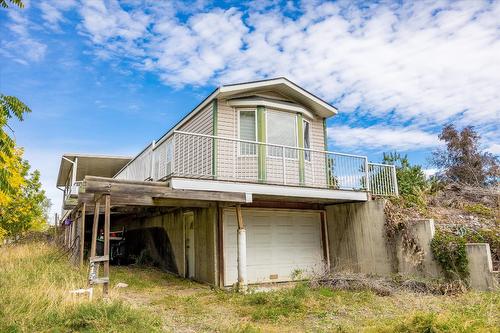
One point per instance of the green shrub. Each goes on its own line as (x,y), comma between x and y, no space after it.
(411,179)
(449,250)
(479,209)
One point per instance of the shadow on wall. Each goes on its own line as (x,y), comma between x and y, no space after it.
(151,246)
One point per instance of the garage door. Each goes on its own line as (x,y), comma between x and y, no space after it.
(279,242)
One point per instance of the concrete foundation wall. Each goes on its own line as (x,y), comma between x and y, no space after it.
(358,243)
(481,272)
(423,231)
(357,239)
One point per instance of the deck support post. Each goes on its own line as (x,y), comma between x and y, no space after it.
(242,252)
(107,217)
(95,226)
(82,233)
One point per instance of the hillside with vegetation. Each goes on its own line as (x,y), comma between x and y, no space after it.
(463,198)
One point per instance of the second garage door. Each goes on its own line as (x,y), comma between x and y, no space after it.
(279,242)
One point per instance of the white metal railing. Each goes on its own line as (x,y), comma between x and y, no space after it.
(383,179)
(193,155)
(140,167)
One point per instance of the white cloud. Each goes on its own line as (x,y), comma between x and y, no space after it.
(494,149)
(425,62)
(53,12)
(381,137)
(22,48)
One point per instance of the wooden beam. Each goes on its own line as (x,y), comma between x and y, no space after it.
(95,225)
(107,218)
(239,217)
(82,233)
(220,243)
(145,200)
(157,190)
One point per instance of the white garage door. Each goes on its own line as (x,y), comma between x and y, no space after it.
(279,242)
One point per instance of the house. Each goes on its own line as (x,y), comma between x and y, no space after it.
(238,192)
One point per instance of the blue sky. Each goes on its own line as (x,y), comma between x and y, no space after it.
(109,77)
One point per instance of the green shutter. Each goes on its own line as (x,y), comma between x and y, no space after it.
(300,130)
(261,137)
(325,138)
(214,141)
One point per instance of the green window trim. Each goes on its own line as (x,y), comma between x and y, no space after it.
(325,138)
(300,141)
(261,137)
(214,141)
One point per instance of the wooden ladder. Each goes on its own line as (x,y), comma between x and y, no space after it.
(94,277)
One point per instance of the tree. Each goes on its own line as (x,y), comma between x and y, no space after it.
(462,160)
(10,156)
(411,178)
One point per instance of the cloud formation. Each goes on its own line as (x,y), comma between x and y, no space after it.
(422,63)
(381,137)
(427,63)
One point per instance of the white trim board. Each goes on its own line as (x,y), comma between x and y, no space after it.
(265,189)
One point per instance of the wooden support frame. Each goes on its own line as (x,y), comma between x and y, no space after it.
(107,218)
(152,193)
(325,239)
(220,244)
(82,233)
(95,229)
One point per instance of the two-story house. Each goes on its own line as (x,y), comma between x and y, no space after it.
(234,193)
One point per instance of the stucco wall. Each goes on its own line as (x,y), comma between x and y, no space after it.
(358,244)
(357,239)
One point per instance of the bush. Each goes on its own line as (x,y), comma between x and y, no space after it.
(411,179)
(449,250)
(479,209)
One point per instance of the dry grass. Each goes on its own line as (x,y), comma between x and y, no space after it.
(33,298)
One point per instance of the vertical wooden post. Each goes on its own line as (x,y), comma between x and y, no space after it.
(95,226)
(73,231)
(82,234)
(242,251)
(107,218)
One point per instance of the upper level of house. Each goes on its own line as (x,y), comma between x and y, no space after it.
(246,135)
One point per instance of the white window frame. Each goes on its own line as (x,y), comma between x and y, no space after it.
(268,155)
(238,111)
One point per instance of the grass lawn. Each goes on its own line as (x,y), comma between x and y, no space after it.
(34,284)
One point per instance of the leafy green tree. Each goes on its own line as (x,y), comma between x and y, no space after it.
(28,207)
(10,156)
(411,178)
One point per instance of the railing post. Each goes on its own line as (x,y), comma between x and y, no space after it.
(395,180)
(283,162)
(367,175)
(152,168)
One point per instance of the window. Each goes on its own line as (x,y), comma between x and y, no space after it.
(282,130)
(247,131)
(307,139)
